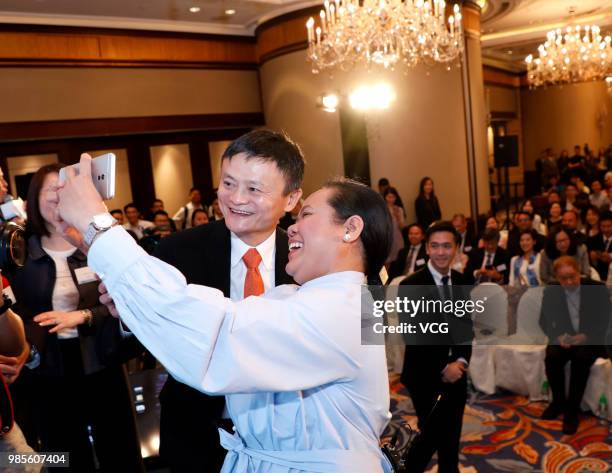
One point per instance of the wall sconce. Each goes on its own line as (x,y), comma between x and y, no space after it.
(328,102)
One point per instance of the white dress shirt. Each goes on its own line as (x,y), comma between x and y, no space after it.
(139,228)
(303,392)
(267,251)
(180,218)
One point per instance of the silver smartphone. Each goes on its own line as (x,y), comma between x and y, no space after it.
(102,174)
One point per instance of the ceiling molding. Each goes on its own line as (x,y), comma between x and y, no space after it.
(111,22)
(146,24)
(534,32)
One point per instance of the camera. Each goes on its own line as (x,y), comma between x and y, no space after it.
(13,247)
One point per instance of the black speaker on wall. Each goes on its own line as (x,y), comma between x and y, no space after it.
(505,151)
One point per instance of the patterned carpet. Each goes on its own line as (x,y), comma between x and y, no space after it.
(504,433)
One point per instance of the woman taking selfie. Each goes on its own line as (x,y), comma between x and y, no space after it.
(72,390)
(303,392)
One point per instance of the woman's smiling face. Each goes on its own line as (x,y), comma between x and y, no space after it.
(315,240)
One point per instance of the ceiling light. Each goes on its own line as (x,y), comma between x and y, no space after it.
(194,9)
(329,102)
(378,97)
(574,54)
(384,33)
(230,11)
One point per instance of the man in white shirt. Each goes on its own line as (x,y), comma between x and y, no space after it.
(261,175)
(182,218)
(134,223)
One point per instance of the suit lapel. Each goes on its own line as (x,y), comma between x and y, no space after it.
(223,261)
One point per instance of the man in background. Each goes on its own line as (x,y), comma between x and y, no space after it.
(182,219)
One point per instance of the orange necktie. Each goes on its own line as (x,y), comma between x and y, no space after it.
(253,284)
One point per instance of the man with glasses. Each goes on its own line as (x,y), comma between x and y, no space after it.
(575,316)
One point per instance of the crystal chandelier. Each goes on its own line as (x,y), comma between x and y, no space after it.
(576,55)
(383,33)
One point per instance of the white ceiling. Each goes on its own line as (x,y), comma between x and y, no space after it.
(511,28)
(156,15)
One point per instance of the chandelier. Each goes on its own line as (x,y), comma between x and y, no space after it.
(576,55)
(383,33)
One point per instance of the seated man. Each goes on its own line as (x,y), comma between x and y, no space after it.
(413,256)
(575,316)
(489,264)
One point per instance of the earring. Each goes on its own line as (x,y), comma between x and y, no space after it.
(346,237)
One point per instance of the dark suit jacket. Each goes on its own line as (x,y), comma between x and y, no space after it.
(397,267)
(594,312)
(501,262)
(470,243)
(424,363)
(203,255)
(597,243)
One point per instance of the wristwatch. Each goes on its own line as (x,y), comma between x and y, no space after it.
(100,223)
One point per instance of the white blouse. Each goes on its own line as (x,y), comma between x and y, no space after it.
(65,296)
(521,279)
(303,392)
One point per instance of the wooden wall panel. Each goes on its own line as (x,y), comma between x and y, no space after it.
(48,46)
(499,77)
(175,49)
(35,48)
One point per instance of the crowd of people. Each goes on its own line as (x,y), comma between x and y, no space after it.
(561,237)
(571,216)
(244,346)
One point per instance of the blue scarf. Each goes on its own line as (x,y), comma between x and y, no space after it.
(531,275)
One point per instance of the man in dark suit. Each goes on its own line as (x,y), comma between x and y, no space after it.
(488,264)
(413,256)
(523,221)
(435,365)
(600,246)
(575,316)
(261,175)
(467,239)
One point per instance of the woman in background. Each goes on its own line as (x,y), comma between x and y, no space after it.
(426,205)
(73,389)
(397,214)
(561,243)
(525,267)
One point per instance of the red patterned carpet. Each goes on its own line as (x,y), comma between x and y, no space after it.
(504,433)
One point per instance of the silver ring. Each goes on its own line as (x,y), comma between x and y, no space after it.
(57,321)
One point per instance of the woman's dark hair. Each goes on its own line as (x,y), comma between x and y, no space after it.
(595,209)
(422,186)
(274,147)
(532,234)
(354,198)
(36,223)
(392,190)
(196,212)
(551,244)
